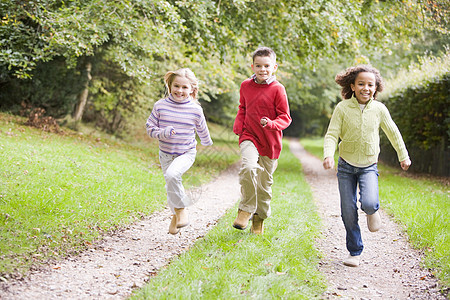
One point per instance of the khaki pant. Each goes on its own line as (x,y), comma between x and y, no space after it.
(256,180)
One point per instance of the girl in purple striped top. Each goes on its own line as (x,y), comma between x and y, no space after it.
(174,121)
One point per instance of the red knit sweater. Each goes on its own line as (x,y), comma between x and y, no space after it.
(258,101)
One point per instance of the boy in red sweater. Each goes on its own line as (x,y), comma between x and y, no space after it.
(263,114)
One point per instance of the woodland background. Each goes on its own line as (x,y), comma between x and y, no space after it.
(102,62)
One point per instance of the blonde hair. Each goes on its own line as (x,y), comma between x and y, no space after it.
(186,73)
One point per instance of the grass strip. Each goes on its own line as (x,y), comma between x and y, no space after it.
(232,264)
(58,193)
(421,204)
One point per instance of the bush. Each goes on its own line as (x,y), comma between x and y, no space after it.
(53,87)
(419,106)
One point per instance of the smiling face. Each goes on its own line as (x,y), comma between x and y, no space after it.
(180,88)
(263,67)
(364,87)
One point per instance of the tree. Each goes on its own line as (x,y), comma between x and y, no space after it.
(140,40)
(38,31)
(82,99)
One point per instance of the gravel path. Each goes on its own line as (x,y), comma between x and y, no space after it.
(124,261)
(390,268)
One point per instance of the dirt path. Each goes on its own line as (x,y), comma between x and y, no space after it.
(390,268)
(122,262)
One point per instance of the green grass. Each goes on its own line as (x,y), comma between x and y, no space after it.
(58,193)
(420,204)
(232,264)
(423,206)
(315,147)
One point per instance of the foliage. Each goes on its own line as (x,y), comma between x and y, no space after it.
(429,68)
(221,108)
(37,119)
(114,97)
(58,193)
(427,120)
(141,30)
(310,94)
(438,12)
(232,264)
(48,89)
(418,101)
(44,29)
(138,41)
(70,32)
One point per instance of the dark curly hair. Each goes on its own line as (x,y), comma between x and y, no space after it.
(348,77)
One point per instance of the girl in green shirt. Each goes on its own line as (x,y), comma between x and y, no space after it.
(356,121)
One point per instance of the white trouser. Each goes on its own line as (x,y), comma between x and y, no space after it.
(256,180)
(173,167)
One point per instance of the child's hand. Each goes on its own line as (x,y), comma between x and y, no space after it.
(328,162)
(263,121)
(405,164)
(168,132)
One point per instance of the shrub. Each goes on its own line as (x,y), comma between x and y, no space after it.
(418,100)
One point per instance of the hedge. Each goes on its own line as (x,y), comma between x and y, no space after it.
(422,113)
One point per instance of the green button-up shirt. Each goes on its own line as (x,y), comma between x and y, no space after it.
(359,133)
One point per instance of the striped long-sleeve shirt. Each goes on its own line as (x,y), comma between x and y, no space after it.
(185,118)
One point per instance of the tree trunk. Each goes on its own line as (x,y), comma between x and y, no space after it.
(82,99)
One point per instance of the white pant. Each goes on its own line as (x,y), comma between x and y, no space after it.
(173,167)
(256,180)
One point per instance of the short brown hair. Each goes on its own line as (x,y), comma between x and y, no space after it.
(264,51)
